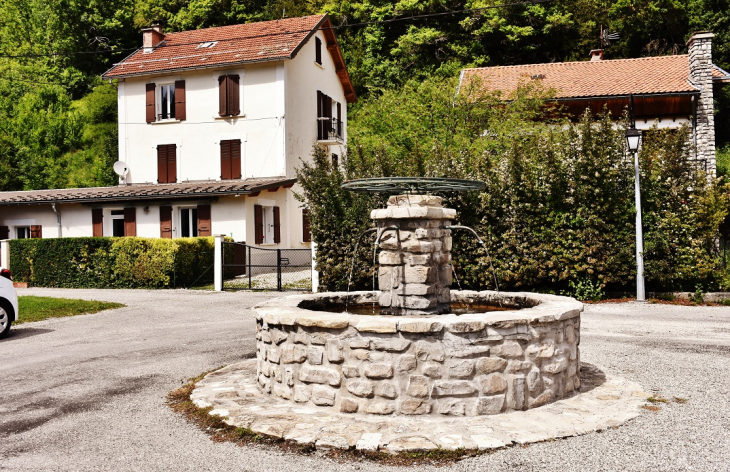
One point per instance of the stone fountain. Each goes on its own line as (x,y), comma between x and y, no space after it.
(416,357)
(337,378)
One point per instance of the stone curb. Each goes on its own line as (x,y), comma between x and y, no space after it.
(605,401)
(286,311)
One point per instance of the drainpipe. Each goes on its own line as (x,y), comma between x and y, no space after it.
(58,218)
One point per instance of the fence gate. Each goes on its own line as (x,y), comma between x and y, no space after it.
(253,268)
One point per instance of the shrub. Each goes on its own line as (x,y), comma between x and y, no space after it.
(112,262)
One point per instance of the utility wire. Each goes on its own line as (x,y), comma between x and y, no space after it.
(285,33)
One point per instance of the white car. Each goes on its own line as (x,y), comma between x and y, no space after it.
(8,302)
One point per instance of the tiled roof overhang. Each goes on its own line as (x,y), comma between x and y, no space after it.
(248,43)
(145,192)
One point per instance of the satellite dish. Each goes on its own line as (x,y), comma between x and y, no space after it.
(121,168)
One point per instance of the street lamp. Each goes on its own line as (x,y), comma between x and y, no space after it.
(633,136)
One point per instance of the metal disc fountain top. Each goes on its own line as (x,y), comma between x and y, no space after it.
(418,185)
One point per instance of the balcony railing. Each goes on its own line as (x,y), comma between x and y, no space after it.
(329,130)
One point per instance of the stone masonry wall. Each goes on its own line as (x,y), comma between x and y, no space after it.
(415,261)
(419,365)
(700,73)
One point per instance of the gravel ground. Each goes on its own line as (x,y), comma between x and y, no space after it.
(88,392)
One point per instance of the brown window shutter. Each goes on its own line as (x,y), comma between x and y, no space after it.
(327,106)
(36,231)
(222,96)
(233,108)
(161,164)
(150,95)
(258,224)
(225,159)
(277,226)
(306,226)
(171,163)
(130,222)
(97,220)
(339,119)
(320,123)
(204,226)
(4,232)
(236,159)
(180,100)
(166,222)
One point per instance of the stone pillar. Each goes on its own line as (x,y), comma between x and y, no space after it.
(700,74)
(415,261)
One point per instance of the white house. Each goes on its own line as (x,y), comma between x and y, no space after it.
(212,124)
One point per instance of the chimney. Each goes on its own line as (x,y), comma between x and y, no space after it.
(152,36)
(596,55)
(700,75)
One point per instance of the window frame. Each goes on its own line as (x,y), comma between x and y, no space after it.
(171,101)
(116,214)
(192,221)
(25,229)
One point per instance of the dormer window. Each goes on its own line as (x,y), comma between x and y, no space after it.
(206,45)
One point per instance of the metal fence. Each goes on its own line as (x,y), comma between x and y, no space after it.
(253,268)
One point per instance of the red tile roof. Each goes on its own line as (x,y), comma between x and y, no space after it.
(236,44)
(263,41)
(646,75)
(127,193)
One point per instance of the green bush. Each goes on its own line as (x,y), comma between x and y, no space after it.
(112,262)
(558,208)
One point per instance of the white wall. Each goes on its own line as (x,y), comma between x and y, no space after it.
(260,125)
(75,219)
(304,77)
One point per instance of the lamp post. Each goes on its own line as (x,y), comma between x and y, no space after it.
(633,136)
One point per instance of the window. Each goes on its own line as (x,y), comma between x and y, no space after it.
(118,223)
(329,118)
(188,222)
(22,232)
(230,159)
(318,50)
(335,161)
(267,224)
(167,102)
(228,97)
(166,163)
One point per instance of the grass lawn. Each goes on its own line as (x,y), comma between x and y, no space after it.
(34,308)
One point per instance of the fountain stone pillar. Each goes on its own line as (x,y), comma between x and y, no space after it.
(415,261)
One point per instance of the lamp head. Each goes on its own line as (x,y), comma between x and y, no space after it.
(633,136)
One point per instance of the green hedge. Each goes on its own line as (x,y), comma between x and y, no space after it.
(112,262)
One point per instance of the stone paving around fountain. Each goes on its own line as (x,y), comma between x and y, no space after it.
(605,401)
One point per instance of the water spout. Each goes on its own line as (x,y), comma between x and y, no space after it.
(484,246)
(352,263)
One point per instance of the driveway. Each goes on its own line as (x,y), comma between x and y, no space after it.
(88,392)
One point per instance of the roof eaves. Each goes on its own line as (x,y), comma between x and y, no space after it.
(199,67)
(725,78)
(311,33)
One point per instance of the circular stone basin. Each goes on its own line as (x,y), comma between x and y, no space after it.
(464,365)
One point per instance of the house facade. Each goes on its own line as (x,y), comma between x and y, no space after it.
(212,125)
(666,91)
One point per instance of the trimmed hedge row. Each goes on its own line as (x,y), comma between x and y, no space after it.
(112,262)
